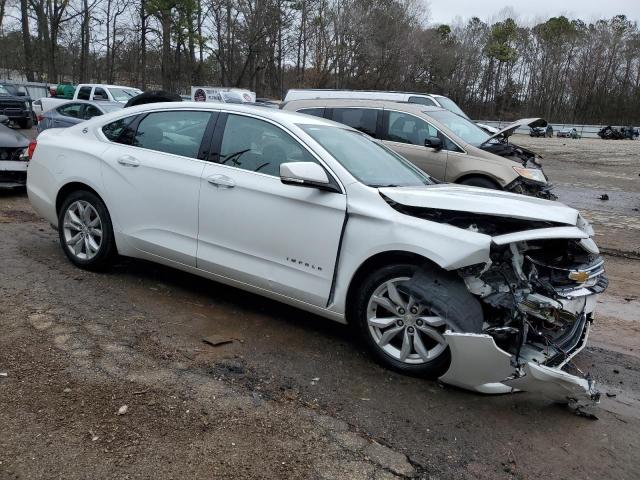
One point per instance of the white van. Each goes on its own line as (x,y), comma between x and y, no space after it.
(409,97)
(222,94)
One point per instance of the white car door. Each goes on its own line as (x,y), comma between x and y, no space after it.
(257,230)
(152,180)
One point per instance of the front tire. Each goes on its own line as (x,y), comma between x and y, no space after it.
(85,231)
(399,332)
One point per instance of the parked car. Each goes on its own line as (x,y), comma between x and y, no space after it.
(13,156)
(569,132)
(447,146)
(487,290)
(90,92)
(427,99)
(16,105)
(546,131)
(72,113)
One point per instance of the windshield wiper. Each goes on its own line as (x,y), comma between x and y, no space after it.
(234,157)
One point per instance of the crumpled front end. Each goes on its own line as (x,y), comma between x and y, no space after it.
(538,298)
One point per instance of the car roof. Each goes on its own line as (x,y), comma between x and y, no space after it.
(346,102)
(284,117)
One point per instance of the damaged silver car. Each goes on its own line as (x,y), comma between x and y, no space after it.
(485,289)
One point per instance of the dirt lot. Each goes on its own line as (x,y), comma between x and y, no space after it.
(292,395)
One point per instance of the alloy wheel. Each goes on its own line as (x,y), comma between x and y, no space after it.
(82,230)
(403,328)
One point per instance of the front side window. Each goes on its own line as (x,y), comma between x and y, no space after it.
(84,93)
(100,94)
(175,132)
(405,128)
(258,146)
(366,159)
(72,110)
(120,131)
(363,119)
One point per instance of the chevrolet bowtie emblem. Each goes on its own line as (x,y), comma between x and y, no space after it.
(579,276)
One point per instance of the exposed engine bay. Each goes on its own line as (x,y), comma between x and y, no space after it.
(537,294)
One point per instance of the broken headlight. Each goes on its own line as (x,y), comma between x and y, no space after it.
(534,174)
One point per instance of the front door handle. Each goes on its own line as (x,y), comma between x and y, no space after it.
(128,161)
(221,181)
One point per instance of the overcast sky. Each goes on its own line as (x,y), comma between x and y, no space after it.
(444,11)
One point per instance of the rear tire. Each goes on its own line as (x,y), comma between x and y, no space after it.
(85,231)
(480,182)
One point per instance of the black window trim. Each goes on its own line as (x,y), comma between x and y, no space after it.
(205,144)
(216,146)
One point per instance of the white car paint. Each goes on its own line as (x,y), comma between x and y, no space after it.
(302,246)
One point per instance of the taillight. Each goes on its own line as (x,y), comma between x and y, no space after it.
(32,148)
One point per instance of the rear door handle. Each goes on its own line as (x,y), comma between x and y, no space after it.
(221,181)
(128,161)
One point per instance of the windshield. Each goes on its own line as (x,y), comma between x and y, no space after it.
(110,108)
(122,94)
(3,90)
(451,106)
(463,128)
(369,161)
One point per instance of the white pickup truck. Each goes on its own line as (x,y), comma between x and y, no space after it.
(89,91)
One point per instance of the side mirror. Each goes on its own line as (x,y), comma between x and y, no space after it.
(305,174)
(433,142)
(98,97)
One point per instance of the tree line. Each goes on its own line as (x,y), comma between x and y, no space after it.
(565,70)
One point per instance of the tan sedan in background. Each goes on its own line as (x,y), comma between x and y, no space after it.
(447,146)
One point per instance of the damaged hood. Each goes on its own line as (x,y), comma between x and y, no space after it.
(11,139)
(512,127)
(482,201)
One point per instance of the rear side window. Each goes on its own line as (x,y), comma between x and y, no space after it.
(91,111)
(405,128)
(316,112)
(71,110)
(363,119)
(422,101)
(175,132)
(84,93)
(119,130)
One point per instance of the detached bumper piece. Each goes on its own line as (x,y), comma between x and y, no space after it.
(478,364)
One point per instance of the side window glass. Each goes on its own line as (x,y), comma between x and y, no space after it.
(100,94)
(91,111)
(405,128)
(71,110)
(119,130)
(422,101)
(258,146)
(316,112)
(84,93)
(176,132)
(363,119)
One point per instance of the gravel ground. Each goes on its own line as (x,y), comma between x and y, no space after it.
(291,395)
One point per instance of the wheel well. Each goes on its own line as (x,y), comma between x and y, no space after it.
(65,191)
(375,262)
(478,175)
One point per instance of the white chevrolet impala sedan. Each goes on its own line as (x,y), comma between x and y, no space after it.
(486,290)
